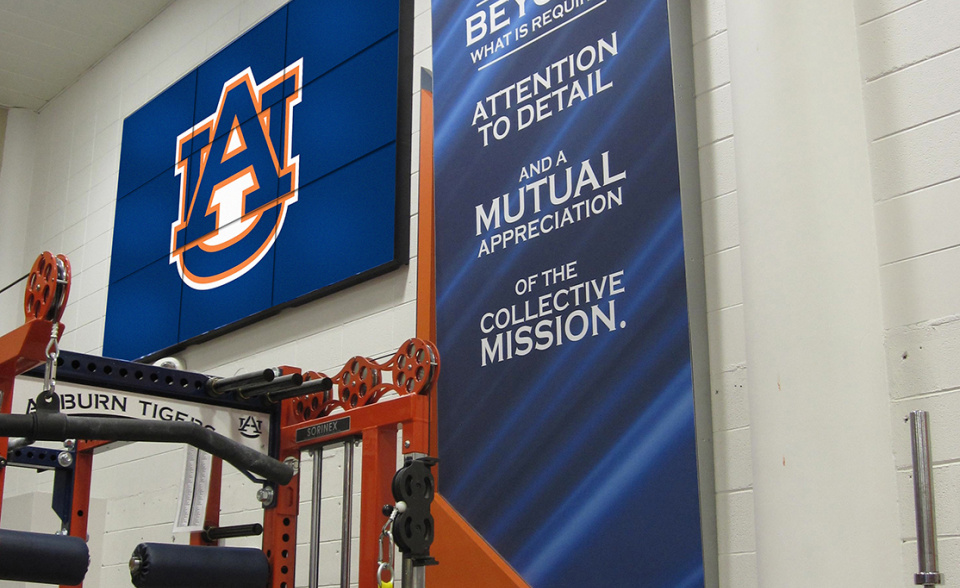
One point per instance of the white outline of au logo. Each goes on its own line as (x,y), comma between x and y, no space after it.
(228,198)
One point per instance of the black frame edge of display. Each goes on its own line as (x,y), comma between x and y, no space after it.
(404,170)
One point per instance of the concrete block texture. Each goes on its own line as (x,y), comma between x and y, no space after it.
(910,51)
(918,224)
(738,570)
(917,158)
(921,359)
(736,510)
(733,466)
(711,63)
(921,289)
(908,36)
(718,171)
(714,115)
(727,339)
(721,224)
(723,273)
(912,96)
(709,18)
(730,403)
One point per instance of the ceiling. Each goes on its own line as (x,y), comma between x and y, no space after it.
(46,45)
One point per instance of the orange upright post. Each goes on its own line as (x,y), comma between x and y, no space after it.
(465,557)
(426,245)
(379,465)
(80,507)
(211,517)
(280,529)
(6,390)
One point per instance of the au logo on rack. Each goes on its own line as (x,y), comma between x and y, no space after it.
(250,427)
(237,177)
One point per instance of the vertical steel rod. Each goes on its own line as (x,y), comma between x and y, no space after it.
(347,530)
(315,509)
(413,576)
(923,497)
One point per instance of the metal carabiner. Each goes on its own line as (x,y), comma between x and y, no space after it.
(53,355)
(390,555)
(381,583)
(386,563)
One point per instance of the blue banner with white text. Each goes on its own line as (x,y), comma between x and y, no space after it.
(566,413)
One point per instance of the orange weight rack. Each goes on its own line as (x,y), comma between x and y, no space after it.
(367,401)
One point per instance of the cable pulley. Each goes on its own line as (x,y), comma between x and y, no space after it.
(48,286)
(414,487)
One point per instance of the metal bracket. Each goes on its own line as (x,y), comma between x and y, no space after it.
(43,459)
(127,376)
(38,458)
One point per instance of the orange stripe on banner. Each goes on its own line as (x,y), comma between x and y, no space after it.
(466,559)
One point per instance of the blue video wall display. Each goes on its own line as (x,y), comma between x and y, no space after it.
(275,172)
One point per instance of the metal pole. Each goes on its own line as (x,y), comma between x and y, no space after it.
(220,386)
(413,576)
(322,385)
(278,385)
(923,497)
(314,581)
(347,529)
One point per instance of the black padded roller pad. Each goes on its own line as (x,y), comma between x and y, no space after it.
(44,559)
(164,565)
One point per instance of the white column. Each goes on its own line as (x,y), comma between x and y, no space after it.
(16,181)
(824,479)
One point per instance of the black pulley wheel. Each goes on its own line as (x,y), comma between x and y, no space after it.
(414,485)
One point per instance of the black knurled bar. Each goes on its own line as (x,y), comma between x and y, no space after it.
(54,426)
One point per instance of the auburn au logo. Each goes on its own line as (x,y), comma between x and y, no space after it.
(237,178)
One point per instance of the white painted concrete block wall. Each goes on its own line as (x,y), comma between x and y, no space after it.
(3,131)
(72,207)
(721,243)
(910,53)
(15,181)
(910,56)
